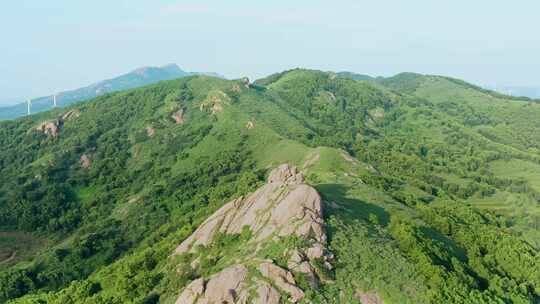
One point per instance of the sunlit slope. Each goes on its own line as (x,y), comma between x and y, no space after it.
(123,179)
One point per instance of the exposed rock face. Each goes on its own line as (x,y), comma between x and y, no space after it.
(222,287)
(287,175)
(178,117)
(50,128)
(266,294)
(273,209)
(285,206)
(215,102)
(282,279)
(191,292)
(85,161)
(229,286)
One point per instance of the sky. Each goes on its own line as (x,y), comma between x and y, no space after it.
(54,45)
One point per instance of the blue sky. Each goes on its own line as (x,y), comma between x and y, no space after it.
(55,45)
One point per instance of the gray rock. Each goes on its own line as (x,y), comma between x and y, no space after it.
(285,206)
(283,279)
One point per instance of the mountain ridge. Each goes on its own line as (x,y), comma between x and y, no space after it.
(429,195)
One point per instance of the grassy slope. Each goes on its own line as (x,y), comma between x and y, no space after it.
(508,125)
(283,132)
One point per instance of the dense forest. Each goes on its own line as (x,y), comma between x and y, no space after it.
(431,186)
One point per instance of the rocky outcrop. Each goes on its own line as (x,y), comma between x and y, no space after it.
(178,117)
(231,286)
(49,128)
(223,287)
(284,207)
(215,101)
(193,291)
(52,127)
(266,294)
(283,279)
(85,161)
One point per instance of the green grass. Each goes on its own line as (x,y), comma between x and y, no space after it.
(516,168)
(143,195)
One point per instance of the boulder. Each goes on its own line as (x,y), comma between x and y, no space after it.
(222,287)
(315,252)
(194,290)
(296,257)
(266,294)
(231,286)
(283,279)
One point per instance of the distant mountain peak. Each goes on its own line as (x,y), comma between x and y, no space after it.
(136,78)
(171,66)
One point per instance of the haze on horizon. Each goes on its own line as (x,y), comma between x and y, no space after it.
(57,45)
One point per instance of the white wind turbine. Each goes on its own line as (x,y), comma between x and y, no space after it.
(29,106)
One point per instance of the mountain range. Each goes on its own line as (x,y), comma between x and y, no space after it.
(136,78)
(301,187)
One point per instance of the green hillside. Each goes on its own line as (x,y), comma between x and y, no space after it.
(430,187)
